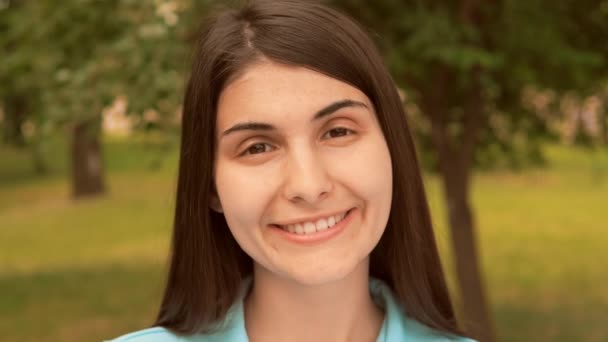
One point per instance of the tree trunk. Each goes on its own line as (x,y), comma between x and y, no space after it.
(15,113)
(87,164)
(478,320)
(455,156)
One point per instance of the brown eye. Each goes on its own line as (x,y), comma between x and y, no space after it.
(338,132)
(257,148)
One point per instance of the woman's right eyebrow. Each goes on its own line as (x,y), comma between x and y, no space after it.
(261,126)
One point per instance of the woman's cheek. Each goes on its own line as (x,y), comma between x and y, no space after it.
(366,167)
(244,192)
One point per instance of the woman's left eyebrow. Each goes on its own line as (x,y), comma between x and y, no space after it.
(328,110)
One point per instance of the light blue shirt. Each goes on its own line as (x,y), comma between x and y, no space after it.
(396,326)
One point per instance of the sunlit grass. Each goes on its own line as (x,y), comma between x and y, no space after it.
(542,236)
(52,231)
(93,269)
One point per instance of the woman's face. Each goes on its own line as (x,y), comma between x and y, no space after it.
(296,147)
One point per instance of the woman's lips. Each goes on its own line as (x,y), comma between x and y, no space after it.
(317,236)
(313,226)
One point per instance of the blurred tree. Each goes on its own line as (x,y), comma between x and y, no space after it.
(18,96)
(14,117)
(464,66)
(80,55)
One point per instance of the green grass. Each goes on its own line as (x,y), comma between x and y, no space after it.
(93,269)
(542,236)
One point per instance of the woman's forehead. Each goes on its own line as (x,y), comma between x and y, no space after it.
(265,90)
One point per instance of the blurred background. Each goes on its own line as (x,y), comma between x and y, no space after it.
(507,99)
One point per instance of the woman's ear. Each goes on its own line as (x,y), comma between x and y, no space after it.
(215,203)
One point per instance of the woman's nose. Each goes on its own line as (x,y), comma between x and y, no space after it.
(306,178)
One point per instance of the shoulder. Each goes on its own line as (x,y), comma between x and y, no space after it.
(156,334)
(399,326)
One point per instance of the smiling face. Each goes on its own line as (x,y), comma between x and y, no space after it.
(296,147)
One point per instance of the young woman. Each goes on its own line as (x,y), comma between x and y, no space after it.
(301,214)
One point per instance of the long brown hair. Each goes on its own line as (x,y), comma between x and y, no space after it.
(207,265)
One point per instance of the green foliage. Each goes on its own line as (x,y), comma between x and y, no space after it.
(81,54)
(509,45)
(63,62)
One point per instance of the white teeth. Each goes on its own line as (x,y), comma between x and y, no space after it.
(313,227)
(321,225)
(309,227)
(339,217)
(331,221)
(291,228)
(299,228)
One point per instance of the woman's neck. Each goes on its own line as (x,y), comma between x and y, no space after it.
(279,309)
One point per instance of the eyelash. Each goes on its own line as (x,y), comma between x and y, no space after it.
(347,133)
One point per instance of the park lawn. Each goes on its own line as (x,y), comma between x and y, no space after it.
(93,269)
(543,236)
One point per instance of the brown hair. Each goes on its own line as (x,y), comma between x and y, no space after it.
(207,265)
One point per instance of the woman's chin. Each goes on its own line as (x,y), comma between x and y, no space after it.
(320,275)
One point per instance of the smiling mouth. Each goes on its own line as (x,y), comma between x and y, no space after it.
(309,228)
